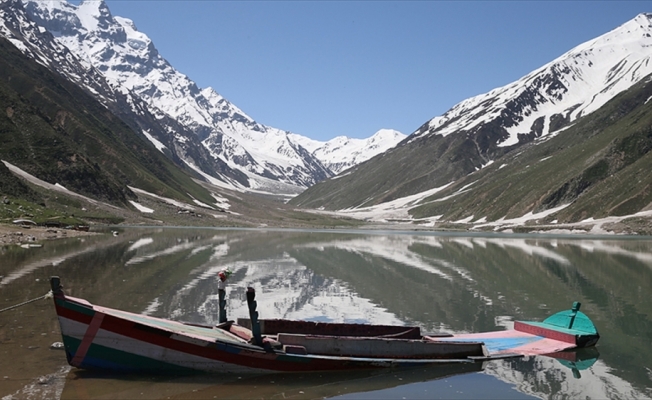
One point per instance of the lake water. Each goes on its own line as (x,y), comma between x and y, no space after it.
(441,282)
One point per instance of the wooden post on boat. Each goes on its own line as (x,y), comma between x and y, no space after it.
(221,293)
(574,310)
(253,315)
(55,285)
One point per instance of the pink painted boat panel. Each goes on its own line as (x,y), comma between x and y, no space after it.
(511,341)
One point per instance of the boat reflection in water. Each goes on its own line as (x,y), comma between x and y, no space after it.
(441,381)
(578,360)
(82,384)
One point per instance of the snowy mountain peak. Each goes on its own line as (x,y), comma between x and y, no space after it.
(642,21)
(129,60)
(341,152)
(385,136)
(111,59)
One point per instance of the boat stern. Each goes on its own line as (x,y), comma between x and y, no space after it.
(570,326)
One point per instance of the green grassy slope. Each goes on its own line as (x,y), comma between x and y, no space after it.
(14,186)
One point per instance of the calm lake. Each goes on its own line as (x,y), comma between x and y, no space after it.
(441,282)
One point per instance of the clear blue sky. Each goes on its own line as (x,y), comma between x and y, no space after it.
(328,68)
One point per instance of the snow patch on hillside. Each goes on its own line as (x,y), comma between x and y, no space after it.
(512,222)
(395,210)
(141,207)
(157,143)
(168,200)
(54,187)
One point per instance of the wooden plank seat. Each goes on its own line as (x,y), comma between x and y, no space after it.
(378,347)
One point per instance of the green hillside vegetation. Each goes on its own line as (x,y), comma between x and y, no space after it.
(600,166)
(59,211)
(53,130)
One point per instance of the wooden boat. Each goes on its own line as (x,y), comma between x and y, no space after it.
(96,337)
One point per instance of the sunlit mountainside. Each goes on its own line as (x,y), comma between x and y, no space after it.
(71,159)
(572,136)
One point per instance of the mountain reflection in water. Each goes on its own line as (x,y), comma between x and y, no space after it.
(443,283)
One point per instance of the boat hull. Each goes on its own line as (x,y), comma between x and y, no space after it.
(96,337)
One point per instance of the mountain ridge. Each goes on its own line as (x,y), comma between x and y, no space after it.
(556,78)
(481,131)
(595,171)
(128,58)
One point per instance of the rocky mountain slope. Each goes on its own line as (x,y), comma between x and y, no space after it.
(168,135)
(596,169)
(77,149)
(544,107)
(54,130)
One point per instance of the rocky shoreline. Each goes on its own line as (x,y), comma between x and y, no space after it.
(25,235)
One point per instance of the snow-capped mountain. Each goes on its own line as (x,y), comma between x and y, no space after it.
(553,96)
(35,42)
(481,130)
(128,59)
(265,156)
(341,153)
